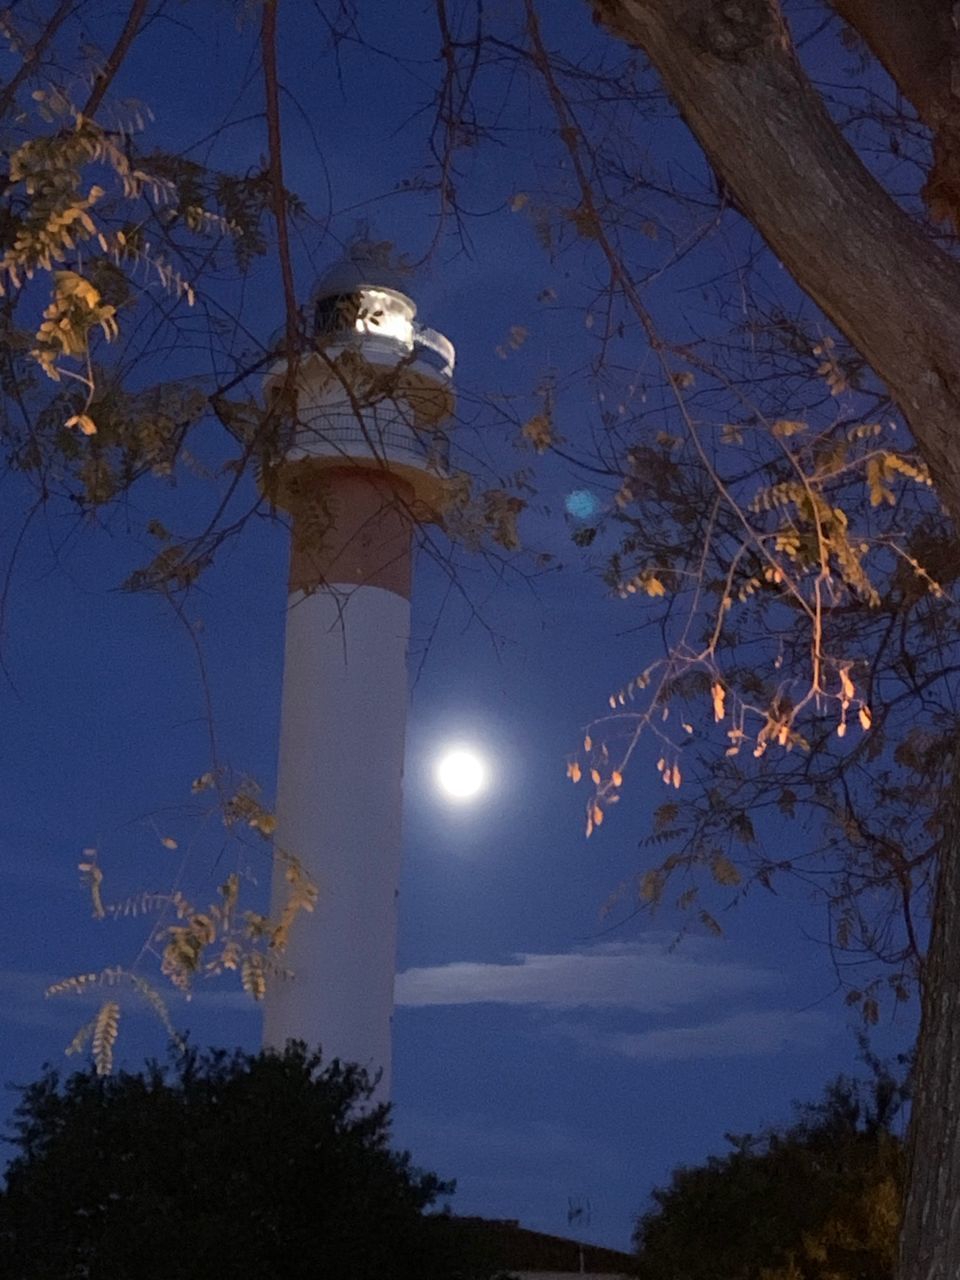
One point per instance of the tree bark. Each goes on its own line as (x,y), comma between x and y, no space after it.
(930,1237)
(731,68)
(919,45)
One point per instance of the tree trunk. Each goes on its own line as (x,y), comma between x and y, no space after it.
(732,70)
(919,44)
(929,1248)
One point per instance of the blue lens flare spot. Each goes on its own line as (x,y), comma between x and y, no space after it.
(582,504)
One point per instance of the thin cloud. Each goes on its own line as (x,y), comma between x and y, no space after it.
(647,977)
(751,1033)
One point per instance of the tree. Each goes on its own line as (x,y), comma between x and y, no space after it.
(227,1163)
(818,1197)
(764,497)
(880,272)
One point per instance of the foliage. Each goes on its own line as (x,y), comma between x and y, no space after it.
(189,941)
(129,364)
(226,1164)
(771,525)
(817,1200)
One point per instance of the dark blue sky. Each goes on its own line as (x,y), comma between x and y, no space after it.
(541,1053)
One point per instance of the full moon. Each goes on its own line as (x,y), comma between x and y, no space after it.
(461,774)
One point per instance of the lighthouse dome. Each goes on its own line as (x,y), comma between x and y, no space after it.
(366,264)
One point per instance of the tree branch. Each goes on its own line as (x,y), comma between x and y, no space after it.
(732,70)
(268,37)
(119,51)
(33,55)
(919,45)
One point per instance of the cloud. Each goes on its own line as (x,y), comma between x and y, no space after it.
(647,977)
(751,1033)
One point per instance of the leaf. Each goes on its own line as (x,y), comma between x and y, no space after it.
(724,872)
(718,695)
(742,827)
(252,976)
(786,802)
(93,877)
(664,816)
(105,1028)
(710,924)
(875,475)
(784,427)
(168,842)
(651,886)
(264,822)
(79,1041)
(84,422)
(538,432)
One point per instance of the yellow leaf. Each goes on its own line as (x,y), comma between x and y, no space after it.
(875,474)
(537,431)
(265,823)
(105,1027)
(588,743)
(574,772)
(84,422)
(595,777)
(718,694)
(866,719)
(597,815)
(616,778)
(653,586)
(783,427)
(168,842)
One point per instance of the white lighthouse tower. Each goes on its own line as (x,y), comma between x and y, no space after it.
(365,464)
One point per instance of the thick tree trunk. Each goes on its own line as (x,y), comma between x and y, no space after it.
(919,44)
(731,68)
(930,1239)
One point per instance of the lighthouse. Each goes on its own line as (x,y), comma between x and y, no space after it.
(365,463)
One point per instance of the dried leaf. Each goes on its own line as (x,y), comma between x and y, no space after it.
(718,694)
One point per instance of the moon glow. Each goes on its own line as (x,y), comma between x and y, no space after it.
(461,774)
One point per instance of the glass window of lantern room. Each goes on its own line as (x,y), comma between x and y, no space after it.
(385,316)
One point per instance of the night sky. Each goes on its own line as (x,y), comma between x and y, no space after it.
(544,1052)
